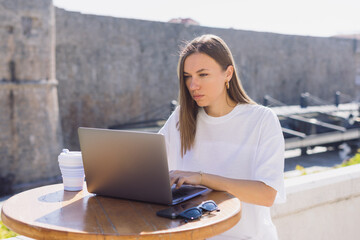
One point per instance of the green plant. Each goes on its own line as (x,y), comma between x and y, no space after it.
(5,232)
(352,161)
(301,169)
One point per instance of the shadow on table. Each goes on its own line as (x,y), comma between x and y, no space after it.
(58,196)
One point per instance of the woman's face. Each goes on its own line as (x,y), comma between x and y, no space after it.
(205,80)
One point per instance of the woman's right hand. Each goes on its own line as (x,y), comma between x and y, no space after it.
(183,177)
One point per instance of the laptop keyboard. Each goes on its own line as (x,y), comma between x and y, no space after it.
(183,191)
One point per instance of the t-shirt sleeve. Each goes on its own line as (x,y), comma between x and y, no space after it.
(169,131)
(269,160)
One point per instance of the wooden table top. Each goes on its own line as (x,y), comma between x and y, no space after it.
(49,212)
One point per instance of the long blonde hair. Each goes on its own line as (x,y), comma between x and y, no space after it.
(216,48)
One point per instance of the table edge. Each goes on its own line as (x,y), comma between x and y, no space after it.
(37,232)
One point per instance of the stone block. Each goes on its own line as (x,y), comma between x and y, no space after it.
(26,33)
(30,126)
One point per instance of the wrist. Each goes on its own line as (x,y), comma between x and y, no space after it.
(201,176)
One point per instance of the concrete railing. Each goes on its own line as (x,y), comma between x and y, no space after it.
(323,205)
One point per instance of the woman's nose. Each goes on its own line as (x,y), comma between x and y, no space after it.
(194,84)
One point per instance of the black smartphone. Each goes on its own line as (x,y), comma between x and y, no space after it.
(174,211)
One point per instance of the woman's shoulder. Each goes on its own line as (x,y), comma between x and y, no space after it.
(176,112)
(255,108)
(174,116)
(171,122)
(256,112)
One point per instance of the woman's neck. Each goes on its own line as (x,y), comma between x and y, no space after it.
(221,110)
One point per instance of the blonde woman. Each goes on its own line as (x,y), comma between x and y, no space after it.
(218,137)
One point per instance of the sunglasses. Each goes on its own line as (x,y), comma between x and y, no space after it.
(196,212)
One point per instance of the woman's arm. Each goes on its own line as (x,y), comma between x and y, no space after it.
(249,191)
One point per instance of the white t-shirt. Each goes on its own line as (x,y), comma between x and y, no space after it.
(247,143)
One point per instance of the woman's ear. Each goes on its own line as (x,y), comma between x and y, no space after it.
(229,72)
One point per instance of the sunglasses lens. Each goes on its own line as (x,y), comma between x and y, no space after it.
(209,206)
(197,212)
(192,213)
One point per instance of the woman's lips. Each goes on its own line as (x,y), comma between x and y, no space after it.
(197,97)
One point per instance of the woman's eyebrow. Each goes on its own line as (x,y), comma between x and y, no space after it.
(201,70)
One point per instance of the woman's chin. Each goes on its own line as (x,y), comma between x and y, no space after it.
(200,104)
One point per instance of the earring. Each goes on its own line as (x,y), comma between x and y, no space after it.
(227,85)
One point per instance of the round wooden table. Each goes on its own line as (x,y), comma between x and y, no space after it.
(49,212)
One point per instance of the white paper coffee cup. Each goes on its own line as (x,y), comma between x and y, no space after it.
(72,170)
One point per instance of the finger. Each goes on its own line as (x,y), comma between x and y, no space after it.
(180,182)
(173,180)
(174,175)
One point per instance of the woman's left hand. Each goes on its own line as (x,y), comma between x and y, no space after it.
(181,177)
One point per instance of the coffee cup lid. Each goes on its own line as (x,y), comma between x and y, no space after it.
(67,155)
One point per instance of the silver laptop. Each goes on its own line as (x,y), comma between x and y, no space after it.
(130,165)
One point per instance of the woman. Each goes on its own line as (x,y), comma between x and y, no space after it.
(218,137)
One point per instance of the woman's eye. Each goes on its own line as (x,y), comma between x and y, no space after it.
(186,77)
(203,74)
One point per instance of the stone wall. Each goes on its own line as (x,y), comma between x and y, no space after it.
(111,71)
(27,40)
(114,70)
(30,130)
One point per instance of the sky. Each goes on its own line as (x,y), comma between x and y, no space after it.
(322,18)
